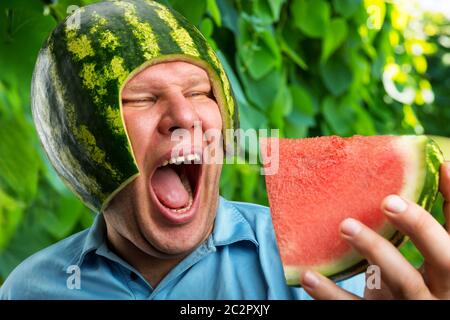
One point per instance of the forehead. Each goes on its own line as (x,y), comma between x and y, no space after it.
(167,73)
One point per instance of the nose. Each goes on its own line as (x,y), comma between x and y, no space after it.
(179,113)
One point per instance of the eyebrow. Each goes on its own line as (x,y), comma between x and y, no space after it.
(190,82)
(195,80)
(137,87)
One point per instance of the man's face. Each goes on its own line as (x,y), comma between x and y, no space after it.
(168,209)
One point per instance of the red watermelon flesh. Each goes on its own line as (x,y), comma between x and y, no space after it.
(321,181)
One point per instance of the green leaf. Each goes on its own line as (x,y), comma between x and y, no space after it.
(23,29)
(364,124)
(338,116)
(346,8)
(303,100)
(249,117)
(214,11)
(267,10)
(19,161)
(276,6)
(362,121)
(59,220)
(297,125)
(259,63)
(336,75)
(29,238)
(11,103)
(286,47)
(311,16)
(281,107)
(229,15)
(206,27)
(228,181)
(248,177)
(257,47)
(361,70)
(334,37)
(262,91)
(86,218)
(191,10)
(11,213)
(262,10)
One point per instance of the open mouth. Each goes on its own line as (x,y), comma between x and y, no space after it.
(175,185)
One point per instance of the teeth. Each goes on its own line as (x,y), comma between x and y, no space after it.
(196,158)
(179,160)
(182,159)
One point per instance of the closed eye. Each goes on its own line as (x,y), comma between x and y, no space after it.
(195,94)
(139,102)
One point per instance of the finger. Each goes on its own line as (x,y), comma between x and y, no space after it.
(444,188)
(403,280)
(374,290)
(426,233)
(322,288)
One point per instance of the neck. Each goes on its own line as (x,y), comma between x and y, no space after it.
(152,268)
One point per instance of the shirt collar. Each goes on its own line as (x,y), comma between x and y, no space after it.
(230,226)
(95,238)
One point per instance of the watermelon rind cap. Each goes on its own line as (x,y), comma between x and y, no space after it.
(77,83)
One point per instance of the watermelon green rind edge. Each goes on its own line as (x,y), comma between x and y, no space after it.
(434,159)
(425,196)
(444,145)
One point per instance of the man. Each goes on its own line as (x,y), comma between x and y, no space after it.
(163,232)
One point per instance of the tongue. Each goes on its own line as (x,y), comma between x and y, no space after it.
(169,189)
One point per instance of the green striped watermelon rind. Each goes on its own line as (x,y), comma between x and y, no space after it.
(444,145)
(425,195)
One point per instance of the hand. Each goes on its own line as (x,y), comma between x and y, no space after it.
(399,279)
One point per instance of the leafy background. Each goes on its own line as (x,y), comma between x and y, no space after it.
(306,67)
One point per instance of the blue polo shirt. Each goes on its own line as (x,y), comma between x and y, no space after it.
(239,260)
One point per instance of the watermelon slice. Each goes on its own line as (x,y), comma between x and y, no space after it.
(321,181)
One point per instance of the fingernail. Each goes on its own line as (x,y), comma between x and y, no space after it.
(310,280)
(395,204)
(350,227)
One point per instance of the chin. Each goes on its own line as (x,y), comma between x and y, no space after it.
(169,233)
(166,242)
(141,217)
